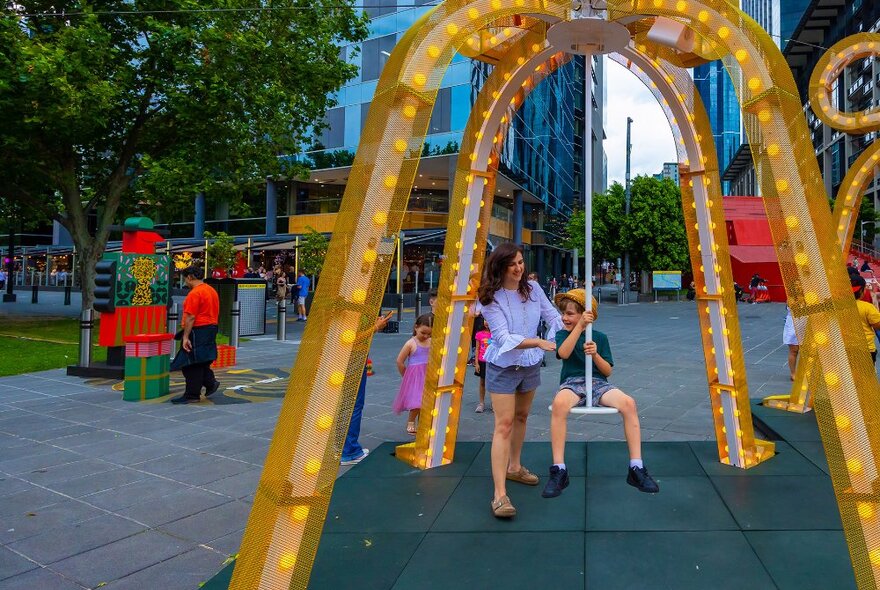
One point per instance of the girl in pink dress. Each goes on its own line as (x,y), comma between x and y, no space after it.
(416,350)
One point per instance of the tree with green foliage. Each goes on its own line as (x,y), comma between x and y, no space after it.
(109,106)
(312,250)
(221,252)
(653,233)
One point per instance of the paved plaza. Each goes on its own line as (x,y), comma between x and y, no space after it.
(97,492)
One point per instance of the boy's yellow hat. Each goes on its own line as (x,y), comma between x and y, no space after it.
(579,296)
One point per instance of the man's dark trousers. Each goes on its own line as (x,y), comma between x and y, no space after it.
(198,375)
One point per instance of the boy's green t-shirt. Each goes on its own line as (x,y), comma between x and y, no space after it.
(574,365)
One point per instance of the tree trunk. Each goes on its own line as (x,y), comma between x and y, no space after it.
(86,263)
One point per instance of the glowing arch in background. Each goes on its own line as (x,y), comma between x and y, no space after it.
(852,189)
(284,528)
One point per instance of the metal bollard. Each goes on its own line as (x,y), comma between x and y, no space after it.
(85,338)
(400,306)
(418,305)
(173,318)
(236,323)
(67,295)
(35,293)
(281,325)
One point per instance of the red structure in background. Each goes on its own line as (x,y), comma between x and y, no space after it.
(751,244)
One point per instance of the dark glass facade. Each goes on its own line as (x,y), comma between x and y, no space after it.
(722,106)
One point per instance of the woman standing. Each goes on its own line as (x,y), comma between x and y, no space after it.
(513,306)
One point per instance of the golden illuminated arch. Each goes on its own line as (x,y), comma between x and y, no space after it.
(852,189)
(291,502)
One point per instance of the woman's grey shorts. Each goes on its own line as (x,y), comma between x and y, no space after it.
(576,384)
(515,379)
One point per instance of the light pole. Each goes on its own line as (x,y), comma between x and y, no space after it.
(626,211)
(862,225)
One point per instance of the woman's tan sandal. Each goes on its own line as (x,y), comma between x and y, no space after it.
(502,508)
(523,476)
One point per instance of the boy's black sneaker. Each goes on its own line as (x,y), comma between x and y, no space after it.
(558,481)
(639,477)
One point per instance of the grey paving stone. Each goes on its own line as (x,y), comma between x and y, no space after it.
(148,489)
(107,438)
(184,572)
(60,433)
(119,559)
(208,471)
(229,544)
(28,500)
(20,525)
(237,486)
(145,451)
(51,475)
(12,564)
(173,507)
(67,541)
(211,524)
(10,485)
(49,457)
(40,579)
(89,484)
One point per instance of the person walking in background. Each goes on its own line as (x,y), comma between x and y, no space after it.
(512,306)
(416,351)
(198,349)
(790,338)
(482,338)
(867,313)
(303,283)
(352,451)
(281,289)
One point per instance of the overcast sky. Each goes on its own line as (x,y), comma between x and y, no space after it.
(652,142)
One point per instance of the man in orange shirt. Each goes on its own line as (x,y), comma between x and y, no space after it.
(199,338)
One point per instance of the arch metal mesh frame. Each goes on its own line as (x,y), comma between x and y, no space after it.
(284,528)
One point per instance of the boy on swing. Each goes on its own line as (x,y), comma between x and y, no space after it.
(572,348)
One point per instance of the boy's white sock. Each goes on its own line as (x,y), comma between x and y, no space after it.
(560,465)
(636,463)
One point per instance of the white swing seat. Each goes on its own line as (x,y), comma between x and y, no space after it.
(591,410)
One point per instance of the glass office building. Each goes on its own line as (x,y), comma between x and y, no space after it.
(540,174)
(722,107)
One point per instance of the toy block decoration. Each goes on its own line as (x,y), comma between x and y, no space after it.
(147,363)
(133,285)
(225,357)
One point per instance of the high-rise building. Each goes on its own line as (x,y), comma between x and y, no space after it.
(540,171)
(822,24)
(779,18)
(722,108)
(670,171)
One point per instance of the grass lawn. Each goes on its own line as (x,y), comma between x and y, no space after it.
(38,344)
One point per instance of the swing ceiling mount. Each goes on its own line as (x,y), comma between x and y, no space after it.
(589,36)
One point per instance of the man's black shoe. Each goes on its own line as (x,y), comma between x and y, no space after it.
(184,400)
(558,481)
(213,389)
(639,477)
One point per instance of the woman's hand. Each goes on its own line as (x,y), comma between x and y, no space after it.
(586,319)
(546,345)
(590,348)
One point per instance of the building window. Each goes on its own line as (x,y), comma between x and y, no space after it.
(374,55)
(333,135)
(380,7)
(440,117)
